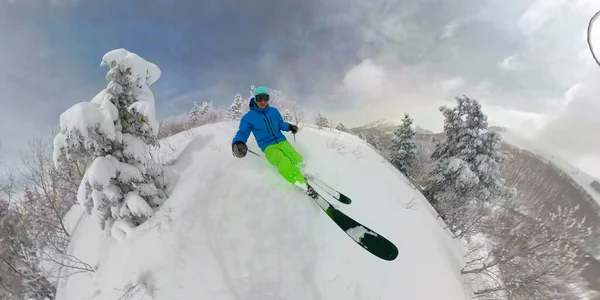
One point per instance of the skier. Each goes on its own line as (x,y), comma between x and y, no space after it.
(266,123)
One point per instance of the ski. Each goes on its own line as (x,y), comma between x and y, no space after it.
(329,190)
(368,239)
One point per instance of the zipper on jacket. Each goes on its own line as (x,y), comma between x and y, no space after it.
(270,126)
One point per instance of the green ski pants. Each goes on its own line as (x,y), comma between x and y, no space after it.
(287,160)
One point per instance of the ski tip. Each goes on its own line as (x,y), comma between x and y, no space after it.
(389,255)
(392,255)
(380,247)
(345,199)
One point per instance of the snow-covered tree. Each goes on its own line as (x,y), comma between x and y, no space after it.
(195,113)
(403,150)
(320,120)
(465,178)
(531,258)
(342,128)
(121,185)
(47,197)
(236,110)
(287,116)
(174,125)
(204,114)
(21,273)
(362,136)
(373,140)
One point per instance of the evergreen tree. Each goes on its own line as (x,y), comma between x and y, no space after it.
(362,136)
(196,112)
(373,140)
(466,173)
(122,184)
(209,113)
(287,116)
(204,114)
(321,121)
(236,110)
(403,150)
(343,128)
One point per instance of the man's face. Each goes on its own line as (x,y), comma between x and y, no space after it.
(261,104)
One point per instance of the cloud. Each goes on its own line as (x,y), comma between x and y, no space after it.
(453,84)
(357,60)
(574,130)
(38,81)
(509,63)
(449,30)
(367,80)
(540,12)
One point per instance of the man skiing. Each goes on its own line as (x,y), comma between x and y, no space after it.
(266,123)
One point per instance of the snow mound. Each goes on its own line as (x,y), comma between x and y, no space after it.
(235,229)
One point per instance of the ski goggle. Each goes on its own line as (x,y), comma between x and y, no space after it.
(261,98)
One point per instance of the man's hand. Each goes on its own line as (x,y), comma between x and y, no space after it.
(239,149)
(293,128)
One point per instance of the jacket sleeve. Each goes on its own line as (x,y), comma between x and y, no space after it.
(283,125)
(243,132)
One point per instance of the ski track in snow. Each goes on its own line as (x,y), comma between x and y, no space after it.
(234,229)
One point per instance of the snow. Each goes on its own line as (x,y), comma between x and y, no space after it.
(140,68)
(358,232)
(99,98)
(134,147)
(145,106)
(137,205)
(102,170)
(235,229)
(85,115)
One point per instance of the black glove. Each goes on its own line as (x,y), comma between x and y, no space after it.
(293,128)
(239,149)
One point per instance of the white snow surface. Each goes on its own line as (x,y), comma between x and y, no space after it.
(235,229)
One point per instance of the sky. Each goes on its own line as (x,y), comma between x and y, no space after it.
(526,61)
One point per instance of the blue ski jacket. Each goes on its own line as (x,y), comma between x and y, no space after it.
(266,125)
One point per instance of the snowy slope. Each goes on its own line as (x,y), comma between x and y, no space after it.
(234,229)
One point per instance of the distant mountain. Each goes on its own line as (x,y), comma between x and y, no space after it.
(421,130)
(386,126)
(381,124)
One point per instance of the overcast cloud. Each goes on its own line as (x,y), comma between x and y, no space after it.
(526,61)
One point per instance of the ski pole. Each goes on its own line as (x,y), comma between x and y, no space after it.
(253,152)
